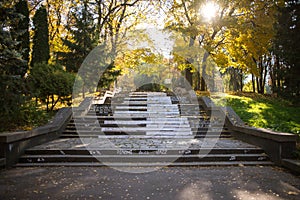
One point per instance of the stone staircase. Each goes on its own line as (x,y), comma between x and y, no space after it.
(144,130)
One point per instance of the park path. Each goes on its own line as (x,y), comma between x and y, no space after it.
(184,183)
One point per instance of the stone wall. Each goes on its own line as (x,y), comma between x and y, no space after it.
(13,144)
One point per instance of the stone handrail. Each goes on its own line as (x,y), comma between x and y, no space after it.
(83,108)
(13,144)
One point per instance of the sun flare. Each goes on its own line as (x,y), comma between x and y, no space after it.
(209,10)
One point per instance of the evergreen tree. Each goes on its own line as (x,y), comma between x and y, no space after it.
(287,50)
(40,49)
(82,41)
(11,97)
(22,27)
(10,57)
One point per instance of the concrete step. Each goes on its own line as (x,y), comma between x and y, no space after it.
(143,135)
(189,151)
(148,101)
(87,119)
(148,115)
(116,110)
(142,126)
(165,123)
(136,132)
(171,120)
(98,129)
(148,122)
(147,128)
(142,158)
(146,112)
(128,107)
(176,164)
(168,133)
(131,128)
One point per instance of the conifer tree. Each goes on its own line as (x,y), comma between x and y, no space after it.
(22,27)
(81,41)
(40,49)
(285,72)
(11,93)
(10,57)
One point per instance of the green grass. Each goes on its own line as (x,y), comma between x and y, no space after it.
(264,111)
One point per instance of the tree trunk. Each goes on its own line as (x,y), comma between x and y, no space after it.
(47,103)
(203,74)
(265,76)
(52,101)
(253,82)
(241,80)
(278,76)
(272,75)
(257,85)
(198,77)
(189,61)
(189,76)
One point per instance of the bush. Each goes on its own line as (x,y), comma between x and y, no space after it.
(27,116)
(51,84)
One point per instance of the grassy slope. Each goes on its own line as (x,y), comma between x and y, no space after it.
(264,111)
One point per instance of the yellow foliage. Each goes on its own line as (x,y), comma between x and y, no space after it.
(239,35)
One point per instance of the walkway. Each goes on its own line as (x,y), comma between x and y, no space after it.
(263,183)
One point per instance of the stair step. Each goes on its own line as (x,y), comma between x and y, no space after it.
(101,118)
(148,129)
(99,130)
(143,158)
(146,112)
(190,164)
(165,122)
(148,115)
(138,136)
(240,151)
(142,124)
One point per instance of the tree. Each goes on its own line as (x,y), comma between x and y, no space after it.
(94,24)
(233,78)
(40,48)
(22,36)
(143,69)
(109,75)
(11,82)
(115,18)
(57,17)
(286,68)
(10,55)
(237,36)
(81,41)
